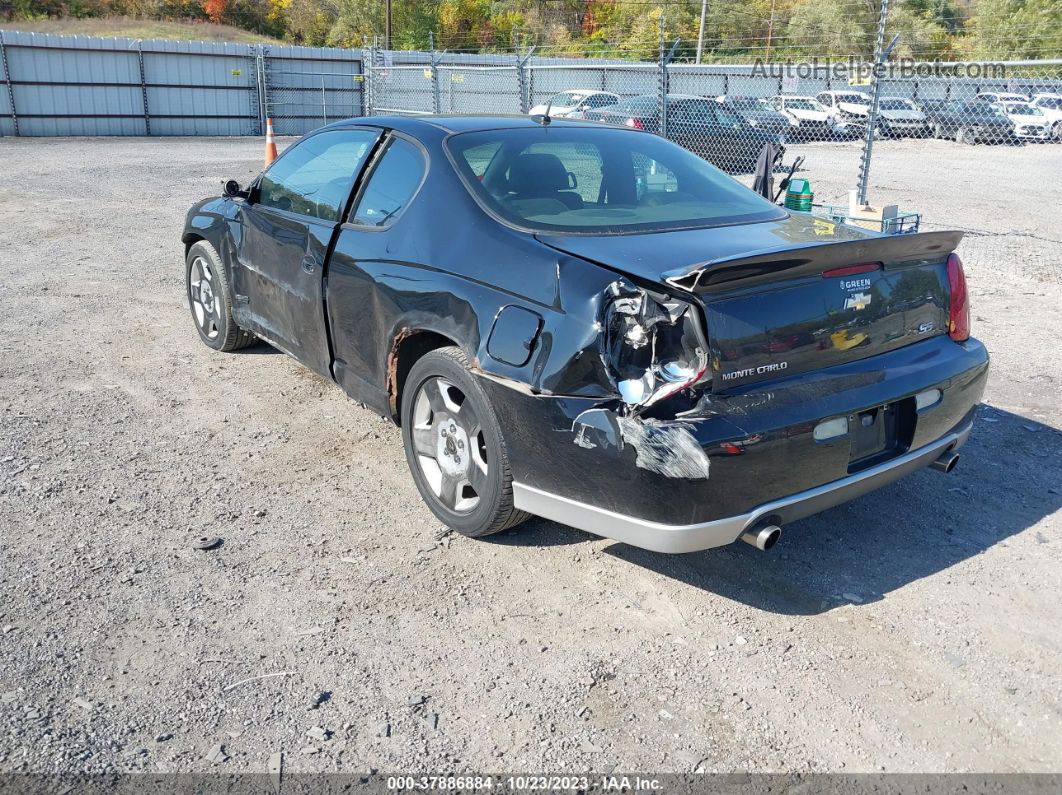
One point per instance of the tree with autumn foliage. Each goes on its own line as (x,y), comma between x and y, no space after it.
(735,30)
(214,10)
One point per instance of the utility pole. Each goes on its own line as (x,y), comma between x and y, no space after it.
(881,55)
(700,32)
(770,31)
(387,24)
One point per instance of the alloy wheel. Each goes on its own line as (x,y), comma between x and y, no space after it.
(449,444)
(203,293)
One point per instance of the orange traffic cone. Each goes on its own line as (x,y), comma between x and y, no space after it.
(271,143)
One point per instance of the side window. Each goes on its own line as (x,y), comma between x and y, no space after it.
(698,111)
(728,119)
(315,177)
(391,184)
(600,101)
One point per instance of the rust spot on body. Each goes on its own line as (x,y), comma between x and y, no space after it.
(392,368)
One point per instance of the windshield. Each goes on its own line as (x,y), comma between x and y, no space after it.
(1024,110)
(638,105)
(803,104)
(854,99)
(750,103)
(565,100)
(599,180)
(973,109)
(896,104)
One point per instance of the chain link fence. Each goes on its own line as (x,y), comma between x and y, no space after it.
(976,146)
(305,88)
(927,153)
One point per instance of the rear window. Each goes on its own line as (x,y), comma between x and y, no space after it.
(598,180)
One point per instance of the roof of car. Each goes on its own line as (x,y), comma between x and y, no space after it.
(455,122)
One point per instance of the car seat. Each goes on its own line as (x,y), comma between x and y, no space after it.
(543,176)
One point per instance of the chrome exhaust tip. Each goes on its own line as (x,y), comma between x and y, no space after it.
(763,538)
(946,462)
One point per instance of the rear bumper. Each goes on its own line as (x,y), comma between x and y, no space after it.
(719,532)
(744,455)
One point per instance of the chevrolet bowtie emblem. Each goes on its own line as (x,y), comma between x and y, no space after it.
(857,301)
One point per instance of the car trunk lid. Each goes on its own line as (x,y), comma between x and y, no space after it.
(823,295)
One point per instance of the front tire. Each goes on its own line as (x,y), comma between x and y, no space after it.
(454,446)
(210,299)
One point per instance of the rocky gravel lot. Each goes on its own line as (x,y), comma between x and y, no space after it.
(916,629)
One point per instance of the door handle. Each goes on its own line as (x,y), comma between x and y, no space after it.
(309,264)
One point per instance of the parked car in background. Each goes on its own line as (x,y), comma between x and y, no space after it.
(1051,106)
(574,104)
(968,122)
(1000,96)
(810,121)
(1030,123)
(699,124)
(671,360)
(898,116)
(757,111)
(846,107)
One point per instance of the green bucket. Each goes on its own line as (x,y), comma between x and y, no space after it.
(798,196)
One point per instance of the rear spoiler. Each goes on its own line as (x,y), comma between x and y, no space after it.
(816,257)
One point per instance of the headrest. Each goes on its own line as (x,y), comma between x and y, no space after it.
(537,175)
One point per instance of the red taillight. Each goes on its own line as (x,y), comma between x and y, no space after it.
(851,270)
(635,124)
(959,310)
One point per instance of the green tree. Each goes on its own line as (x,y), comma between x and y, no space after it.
(1016,29)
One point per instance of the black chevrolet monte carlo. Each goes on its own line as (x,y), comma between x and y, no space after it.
(593,325)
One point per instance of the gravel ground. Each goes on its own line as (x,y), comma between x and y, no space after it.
(916,629)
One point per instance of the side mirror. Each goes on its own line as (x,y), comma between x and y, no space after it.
(232,190)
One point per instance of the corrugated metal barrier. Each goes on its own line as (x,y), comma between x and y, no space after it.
(80,85)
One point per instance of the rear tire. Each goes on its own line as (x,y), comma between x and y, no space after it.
(454,446)
(210,299)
